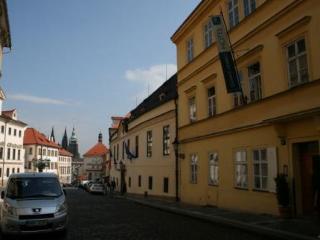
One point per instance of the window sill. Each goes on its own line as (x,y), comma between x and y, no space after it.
(213,185)
(242,189)
(260,190)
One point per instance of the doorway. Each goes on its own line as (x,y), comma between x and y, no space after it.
(308,162)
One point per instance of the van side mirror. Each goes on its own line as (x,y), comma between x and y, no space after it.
(65,192)
(2,194)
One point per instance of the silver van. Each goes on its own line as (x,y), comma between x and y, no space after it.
(33,203)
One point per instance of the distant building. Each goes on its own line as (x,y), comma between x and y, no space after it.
(64,142)
(95,161)
(11,144)
(39,149)
(73,145)
(64,166)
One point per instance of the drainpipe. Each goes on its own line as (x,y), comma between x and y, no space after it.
(177,150)
(4,151)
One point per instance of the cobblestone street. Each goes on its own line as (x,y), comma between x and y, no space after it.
(100,217)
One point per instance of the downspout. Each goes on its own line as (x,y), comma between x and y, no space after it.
(177,150)
(4,151)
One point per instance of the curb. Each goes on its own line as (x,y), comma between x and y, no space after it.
(224,221)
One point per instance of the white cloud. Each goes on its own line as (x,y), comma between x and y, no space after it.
(150,78)
(35,99)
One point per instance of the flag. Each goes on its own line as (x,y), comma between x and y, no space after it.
(225,54)
(129,154)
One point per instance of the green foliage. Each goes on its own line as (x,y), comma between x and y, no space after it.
(282,188)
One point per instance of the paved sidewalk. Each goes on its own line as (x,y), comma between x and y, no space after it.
(295,228)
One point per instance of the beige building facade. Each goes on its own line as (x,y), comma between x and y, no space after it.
(232,148)
(143,155)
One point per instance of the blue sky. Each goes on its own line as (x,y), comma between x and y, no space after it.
(79,62)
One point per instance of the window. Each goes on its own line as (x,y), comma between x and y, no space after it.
(137,146)
(9,131)
(297,63)
(213,169)
(8,172)
(241,169)
(166,140)
(13,170)
(249,6)
(233,13)
(44,152)
(194,168)
(128,146)
(211,101)
(166,185)
(20,134)
(14,132)
(2,129)
(18,170)
(1,152)
(238,100)
(9,153)
(189,50)
(255,81)
(129,182)
(192,109)
(19,153)
(13,154)
(260,168)
(117,151)
(139,181)
(150,183)
(123,147)
(114,152)
(208,34)
(149,143)
(39,151)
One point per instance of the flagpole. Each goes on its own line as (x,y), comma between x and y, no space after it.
(233,56)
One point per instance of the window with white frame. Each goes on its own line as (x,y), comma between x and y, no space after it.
(211,101)
(208,34)
(233,10)
(192,109)
(190,49)
(213,169)
(241,169)
(297,62)
(260,169)
(254,75)
(166,140)
(194,169)
(149,143)
(249,6)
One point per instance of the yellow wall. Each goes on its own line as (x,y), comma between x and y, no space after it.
(158,166)
(262,36)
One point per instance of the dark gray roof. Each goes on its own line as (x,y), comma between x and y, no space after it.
(166,92)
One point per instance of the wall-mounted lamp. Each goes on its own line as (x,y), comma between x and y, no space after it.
(283,140)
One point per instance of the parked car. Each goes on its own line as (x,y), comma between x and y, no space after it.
(97,188)
(87,186)
(33,203)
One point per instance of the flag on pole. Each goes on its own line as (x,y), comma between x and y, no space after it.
(225,55)
(129,154)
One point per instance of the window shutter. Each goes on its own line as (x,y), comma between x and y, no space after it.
(272,168)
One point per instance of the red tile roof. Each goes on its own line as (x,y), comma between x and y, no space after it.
(63,152)
(32,136)
(97,150)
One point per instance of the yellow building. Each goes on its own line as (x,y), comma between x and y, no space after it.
(230,151)
(143,156)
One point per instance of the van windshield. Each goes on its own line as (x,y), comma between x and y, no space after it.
(33,188)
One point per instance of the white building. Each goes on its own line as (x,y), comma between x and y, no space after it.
(39,149)
(11,143)
(64,165)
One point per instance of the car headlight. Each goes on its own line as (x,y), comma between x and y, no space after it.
(12,211)
(61,208)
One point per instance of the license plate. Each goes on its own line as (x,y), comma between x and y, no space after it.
(37,223)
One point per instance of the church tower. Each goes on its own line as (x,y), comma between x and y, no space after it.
(100,138)
(64,142)
(52,137)
(73,145)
